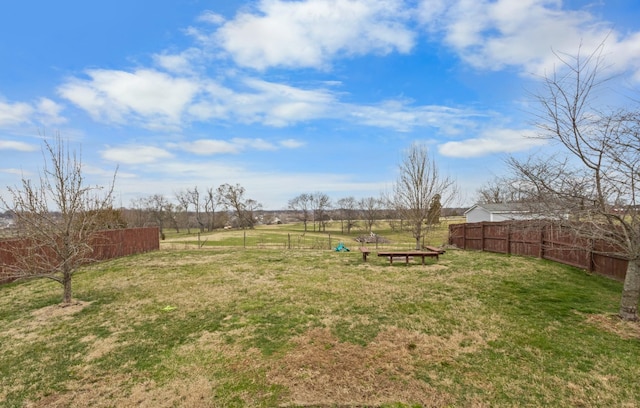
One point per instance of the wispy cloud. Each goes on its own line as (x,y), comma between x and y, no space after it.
(135,154)
(18,146)
(492,141)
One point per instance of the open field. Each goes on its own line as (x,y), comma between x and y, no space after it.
(294,236)
(233,327)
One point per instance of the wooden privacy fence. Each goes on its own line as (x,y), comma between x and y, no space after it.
(107,244)
(543,240)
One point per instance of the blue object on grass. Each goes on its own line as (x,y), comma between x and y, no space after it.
(341,248)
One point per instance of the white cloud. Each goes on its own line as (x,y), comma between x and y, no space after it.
(48,112)
(211,17)
(291,143)
(12,114)
(492,141)
(206,147)
(155,99)
(135,154)
(258,101)
(180,63)
(310,33)
(401,116)
(43,112)
(521,33)
(19,146)
(16,172)
(257,144)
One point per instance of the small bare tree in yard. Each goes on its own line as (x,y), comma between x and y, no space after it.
(593,183)
(58,217)
(419,183)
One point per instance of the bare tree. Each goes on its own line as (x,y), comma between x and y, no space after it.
(435,208)
(232,197)
(320,204)
(136,215)
(210,204)
(370,209)
(184,202)
(159,209)
(301,205)
(196,201)
(419,182)
(595,179)
(59,217)
(347,207)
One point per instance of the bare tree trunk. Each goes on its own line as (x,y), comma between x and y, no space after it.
(631,292)
(66,283)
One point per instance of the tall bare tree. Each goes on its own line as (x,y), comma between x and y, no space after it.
(595,178)
(59,217)
(195,198)
(232,198)
(301,205)
(320,204)
(184,202)
(419,182)
(370,210)
(210,204)
(503,190)
(159,210)
(347,207)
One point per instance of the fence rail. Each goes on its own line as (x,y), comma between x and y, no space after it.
(106,244)
(542,240)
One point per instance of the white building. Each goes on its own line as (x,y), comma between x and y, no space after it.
(498,212)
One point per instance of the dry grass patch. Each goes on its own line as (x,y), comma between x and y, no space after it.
(118,391)
(322,371)
(613,324)
(43,317)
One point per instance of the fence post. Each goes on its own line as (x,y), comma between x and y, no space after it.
(542,231)
(591,264)
(464,236)
(509,238)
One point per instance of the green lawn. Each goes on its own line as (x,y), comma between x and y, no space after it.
(234,327)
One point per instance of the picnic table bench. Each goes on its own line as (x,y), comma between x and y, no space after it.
(408,254)
(365,252)
(434,249)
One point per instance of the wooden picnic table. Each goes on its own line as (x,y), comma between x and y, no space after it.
(408,254)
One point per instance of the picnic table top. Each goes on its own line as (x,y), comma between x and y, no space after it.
(416,252)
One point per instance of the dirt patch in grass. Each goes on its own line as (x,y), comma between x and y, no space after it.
(321,371)
(59,311)
(613,324)
(29,330)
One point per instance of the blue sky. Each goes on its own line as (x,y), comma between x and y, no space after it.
(287,97)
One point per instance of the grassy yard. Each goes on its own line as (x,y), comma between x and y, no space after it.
(233,327)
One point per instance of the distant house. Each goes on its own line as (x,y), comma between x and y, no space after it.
(498,212)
